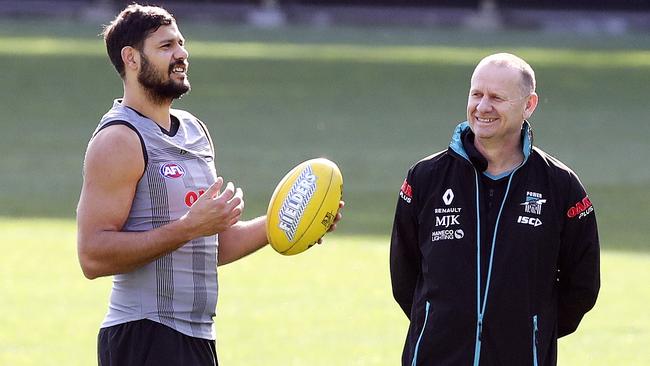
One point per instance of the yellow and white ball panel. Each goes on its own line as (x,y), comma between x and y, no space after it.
(304,205)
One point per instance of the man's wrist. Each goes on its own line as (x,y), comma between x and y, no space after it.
(183,229)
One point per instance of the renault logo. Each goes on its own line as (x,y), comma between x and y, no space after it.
(448,196)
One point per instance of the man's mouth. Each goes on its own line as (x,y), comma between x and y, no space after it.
(485,120)
(179,69)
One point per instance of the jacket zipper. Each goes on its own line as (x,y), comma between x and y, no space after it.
(480,306)
(535,331)
(417,345)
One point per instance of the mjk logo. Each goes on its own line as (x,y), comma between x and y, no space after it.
(447,220)
(448,197)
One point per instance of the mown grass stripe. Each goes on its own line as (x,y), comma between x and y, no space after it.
(25,46)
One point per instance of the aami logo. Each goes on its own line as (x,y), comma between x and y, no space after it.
(580,209)
(172,170)
(406,192)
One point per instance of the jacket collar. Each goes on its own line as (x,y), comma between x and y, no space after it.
(463,133)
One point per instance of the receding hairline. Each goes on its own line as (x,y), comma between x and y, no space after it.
(528,82)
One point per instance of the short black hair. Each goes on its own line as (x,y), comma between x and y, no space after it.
(130,28)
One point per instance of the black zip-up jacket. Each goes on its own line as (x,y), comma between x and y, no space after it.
(492,281)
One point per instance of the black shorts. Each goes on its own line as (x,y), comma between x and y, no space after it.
(145,342)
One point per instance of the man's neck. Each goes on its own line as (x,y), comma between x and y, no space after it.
(502,157)
(141,102)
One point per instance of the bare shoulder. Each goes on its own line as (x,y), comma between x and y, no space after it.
(115,149)
(112,168)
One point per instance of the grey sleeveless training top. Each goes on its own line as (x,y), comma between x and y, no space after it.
(180,289)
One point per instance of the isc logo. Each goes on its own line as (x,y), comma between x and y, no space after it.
(172,170)
(532,221)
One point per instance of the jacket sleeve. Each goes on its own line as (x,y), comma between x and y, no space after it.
(404,251)
(579,262)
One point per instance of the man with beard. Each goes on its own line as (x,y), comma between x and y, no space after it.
(152,211)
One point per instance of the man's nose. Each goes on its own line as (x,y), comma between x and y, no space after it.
(181,53)
(484,105)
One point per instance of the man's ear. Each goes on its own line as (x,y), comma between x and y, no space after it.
(531,104)
(130,57)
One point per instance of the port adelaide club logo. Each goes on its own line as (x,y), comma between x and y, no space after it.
(447,220)
(172,170)
(532,207)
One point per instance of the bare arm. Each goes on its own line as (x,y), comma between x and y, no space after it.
(246,237)
(242,239)
(111,174)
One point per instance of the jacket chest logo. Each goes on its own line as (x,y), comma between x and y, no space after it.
(447,219)
(532,206)
(448,197)
(533,203)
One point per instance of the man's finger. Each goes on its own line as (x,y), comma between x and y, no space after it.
(235,215)
(213,190)
(238,194)
(227,193)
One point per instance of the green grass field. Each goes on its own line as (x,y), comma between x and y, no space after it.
(329,306)
(375,101)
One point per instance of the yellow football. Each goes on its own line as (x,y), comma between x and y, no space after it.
(303,206)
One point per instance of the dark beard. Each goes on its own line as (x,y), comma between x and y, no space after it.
(160,91)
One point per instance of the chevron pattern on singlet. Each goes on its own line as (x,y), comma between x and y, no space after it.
(164,264)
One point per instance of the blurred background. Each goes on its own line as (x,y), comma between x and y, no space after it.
(372,85)
(615,16)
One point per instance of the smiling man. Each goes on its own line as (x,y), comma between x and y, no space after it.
(494,251)
(151,205)
(152,211)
